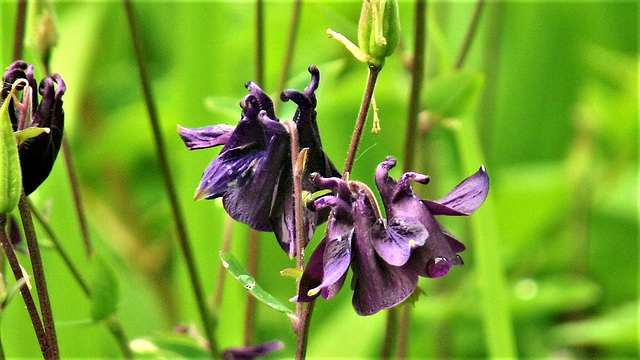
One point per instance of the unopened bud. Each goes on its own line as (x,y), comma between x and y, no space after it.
(46,35)
(379,29)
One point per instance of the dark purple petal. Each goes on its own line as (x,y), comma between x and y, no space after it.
(465,198)
(232,169)
(456,245)
(336,184)
(337,254)
(252,352)
(395,240)
(437,245)
(259,100)
(313,273)
(205,137)
(377,285)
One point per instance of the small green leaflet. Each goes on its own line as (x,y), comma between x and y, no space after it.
(168,346)
(236,270)
(10,173)
(105,292)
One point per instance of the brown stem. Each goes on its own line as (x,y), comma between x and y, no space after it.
(183,240)
(260,43)
(403,331)
(362,117)
(389,332)
(24,290)
(18,40)
(468,38)
(252,268)
(288,54)
(303,331)
(38,274)
(77,200)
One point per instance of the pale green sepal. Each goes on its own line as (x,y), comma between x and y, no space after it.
(10,173)
(24,135)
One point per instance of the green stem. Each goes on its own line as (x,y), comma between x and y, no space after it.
(18,41)
(205,315)
(226,244)
(403,331)
(389,332)
(470,34)
(288,54)
(492,281)
(38,274)
(260,42)
(77,200)
(24,290)
(362,117)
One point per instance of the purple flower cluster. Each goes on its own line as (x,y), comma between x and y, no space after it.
(252,173)
(37,154)
(386,255)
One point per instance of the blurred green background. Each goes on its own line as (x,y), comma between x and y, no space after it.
(550,89)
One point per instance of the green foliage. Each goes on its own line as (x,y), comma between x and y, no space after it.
(236,270)
(105,290)
(454,94)
(169,346)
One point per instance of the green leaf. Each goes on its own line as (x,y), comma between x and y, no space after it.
(290,272)
(28,133)
(104,289)
(234,267)
(169,346)
(10,174)
(454,94)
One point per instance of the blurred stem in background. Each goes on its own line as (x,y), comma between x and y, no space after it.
(112,323)
(226,244)
(288,53)
(205,315)
(417,73)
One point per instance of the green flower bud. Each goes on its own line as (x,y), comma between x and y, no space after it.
(379,29)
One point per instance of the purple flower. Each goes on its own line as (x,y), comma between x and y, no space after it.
(433,249)
(386,255)
(252,173)
(37,154)
(350,242)
(252,352)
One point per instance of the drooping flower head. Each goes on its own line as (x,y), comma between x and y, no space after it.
(386,255)
(350,242)
(434,254)
(252,173)
(37,154)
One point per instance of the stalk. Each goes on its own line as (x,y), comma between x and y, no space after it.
(183,240)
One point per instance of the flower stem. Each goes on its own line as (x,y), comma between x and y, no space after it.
(389,332)
(288,54)
(403,331)
(24,290)
(303,331)
(252,268)
(260,42)
(468,38)
(207,320)
(18,41)
(113,323)
(38,274)
(77,200)
(362,117)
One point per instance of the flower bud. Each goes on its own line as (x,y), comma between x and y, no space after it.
(379,29)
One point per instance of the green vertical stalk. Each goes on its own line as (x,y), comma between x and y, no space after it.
(491,273)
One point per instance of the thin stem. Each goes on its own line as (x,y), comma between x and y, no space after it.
(389,332)
(113,324)
(417,74)
(2,356)
(305,321)
(183,240)
(18,41)
(362,117)
(288,54)
(252,268)
(77,200)
(226,244)
(38,274)
(468,38)
(403,331)
(24,290)
(260,43)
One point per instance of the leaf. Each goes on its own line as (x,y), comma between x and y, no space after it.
(236,270)
(10,173)
(290,272)
(454,94)
(104,289)
(23,135)
(169,346)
